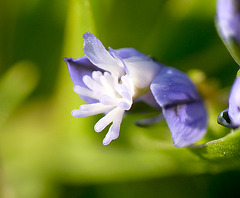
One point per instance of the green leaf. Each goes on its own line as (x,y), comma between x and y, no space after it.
(224,149)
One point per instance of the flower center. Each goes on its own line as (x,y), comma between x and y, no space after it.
(113,96)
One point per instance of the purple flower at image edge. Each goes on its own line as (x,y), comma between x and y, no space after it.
(228,19)
(231,117)
(234,104)
(228,26)
(112,81)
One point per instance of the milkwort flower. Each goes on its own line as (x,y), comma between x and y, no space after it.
(111,81)
(228,25)
(231,117)
(234,103)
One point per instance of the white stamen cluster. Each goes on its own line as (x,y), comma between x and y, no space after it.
(114,96)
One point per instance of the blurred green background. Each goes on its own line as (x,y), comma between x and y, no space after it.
(45,152)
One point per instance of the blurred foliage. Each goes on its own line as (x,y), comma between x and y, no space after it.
(45,152)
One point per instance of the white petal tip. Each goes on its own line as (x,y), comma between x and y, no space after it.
(97,128)
(106,141)
(75,113)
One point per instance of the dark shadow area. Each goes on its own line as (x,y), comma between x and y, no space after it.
(204,186)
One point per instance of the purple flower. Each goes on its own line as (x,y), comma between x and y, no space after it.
(228,25)
(228,19)
(112,81)
(234,103)
(231,117)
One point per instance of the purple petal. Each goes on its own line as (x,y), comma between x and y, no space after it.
(228,19)
(77,69)
(172,86)
(234,103)
(130,52)
(181,105)
(94,50)
(187,122)
(99,56)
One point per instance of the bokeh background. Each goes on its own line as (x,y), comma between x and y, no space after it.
(45,152)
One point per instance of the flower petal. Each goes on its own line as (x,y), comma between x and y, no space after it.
(130,52)
(99,56)
(234,103)
(118,58)
(228,19)
(90,109)
(187,122)
(114,129)
(142,70)
(77,69)
(172,86)
(181,105)
(228,25)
